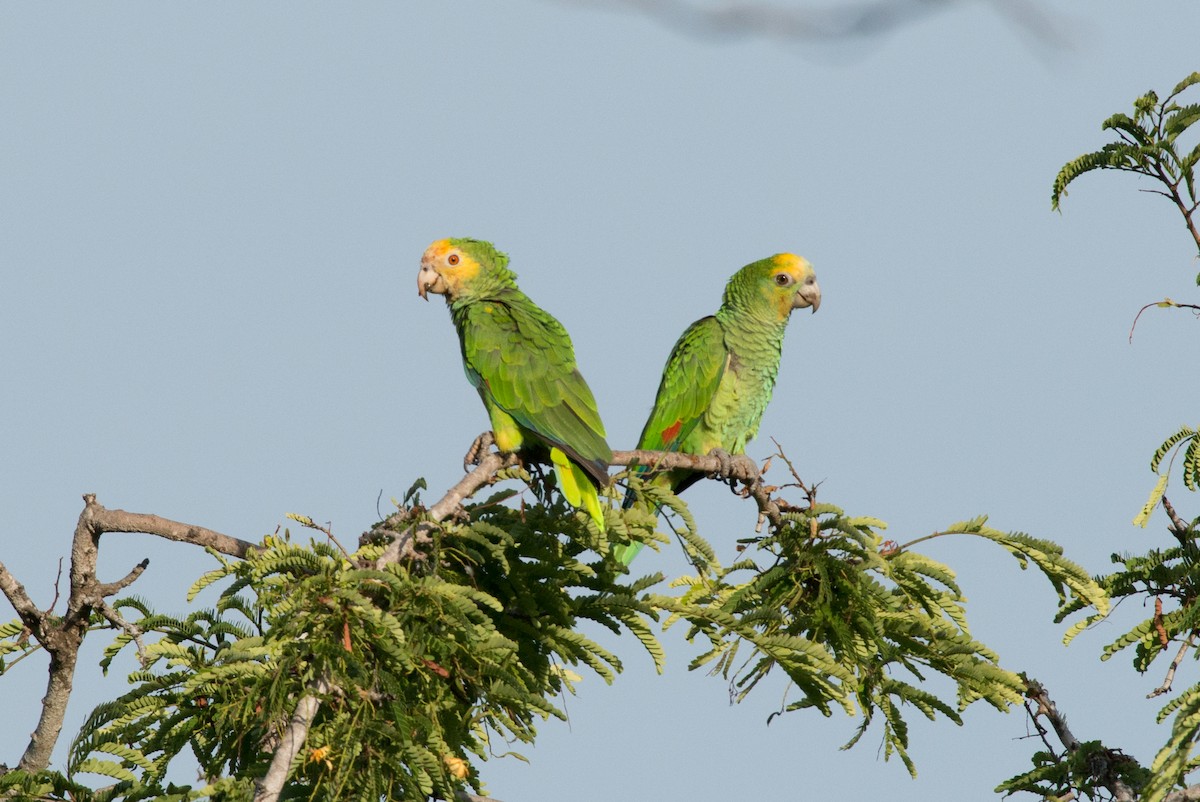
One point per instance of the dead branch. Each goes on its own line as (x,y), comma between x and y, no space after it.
(61,636)
(101,521)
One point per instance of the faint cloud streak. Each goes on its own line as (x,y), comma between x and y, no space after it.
(860,20)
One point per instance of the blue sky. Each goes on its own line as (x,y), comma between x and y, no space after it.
(211,218)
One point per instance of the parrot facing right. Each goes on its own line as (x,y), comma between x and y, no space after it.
(721,373)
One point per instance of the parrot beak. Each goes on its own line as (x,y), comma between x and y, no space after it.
(809,295)
(429,280)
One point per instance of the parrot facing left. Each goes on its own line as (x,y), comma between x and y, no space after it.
(521,361)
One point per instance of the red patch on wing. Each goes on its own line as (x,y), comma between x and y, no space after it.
(671,432)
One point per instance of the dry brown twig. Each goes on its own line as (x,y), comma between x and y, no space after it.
(1171,669)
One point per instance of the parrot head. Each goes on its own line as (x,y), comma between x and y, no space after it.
(781,283)
(454,267)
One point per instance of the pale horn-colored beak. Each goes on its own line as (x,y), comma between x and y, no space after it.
(808,296)
(427,279)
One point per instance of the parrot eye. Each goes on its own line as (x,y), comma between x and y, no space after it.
(452,259)
(783,279)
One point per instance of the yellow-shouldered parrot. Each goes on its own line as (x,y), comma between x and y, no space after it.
(521,361)
(720,375)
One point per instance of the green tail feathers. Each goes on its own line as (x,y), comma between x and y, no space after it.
(576,487)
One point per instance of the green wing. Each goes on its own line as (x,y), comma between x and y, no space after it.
(689,383)
(522,360)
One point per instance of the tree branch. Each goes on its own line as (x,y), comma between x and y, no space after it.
(735,469)
(113,588)
(1102,768)
(1170,678)
(102,520)
(62,636)
(1035,691)
(30,615)
(291,741)
(132,630)
(1179,528)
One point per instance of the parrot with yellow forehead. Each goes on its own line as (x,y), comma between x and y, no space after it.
(721,373)
(521,361)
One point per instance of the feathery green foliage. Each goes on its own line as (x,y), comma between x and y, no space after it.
(1148,144)
(1074,775)
(1166,580)
(1186,441)
(844,614)
(437,663)
(1169,577)
(431,664)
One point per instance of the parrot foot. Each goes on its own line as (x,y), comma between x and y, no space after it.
(483,443)
(725,459)
(733,466)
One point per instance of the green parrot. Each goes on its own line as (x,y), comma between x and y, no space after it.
(521,361)
(720,375)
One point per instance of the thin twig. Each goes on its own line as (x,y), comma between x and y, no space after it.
(57,580)
(132,630)
(1165,303)
(1041,731)
(327,530)
(403,545)
(1166,685)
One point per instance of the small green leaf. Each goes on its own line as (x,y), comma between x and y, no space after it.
(1156,495)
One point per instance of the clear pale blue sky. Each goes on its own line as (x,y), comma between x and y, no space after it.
(210,222)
